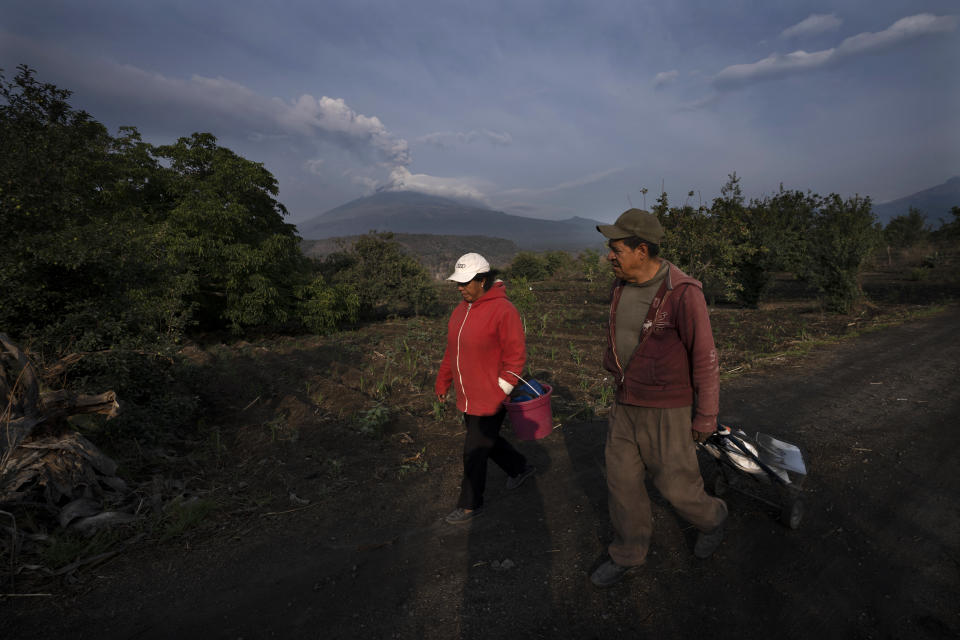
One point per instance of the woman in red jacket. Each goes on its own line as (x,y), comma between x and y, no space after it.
(485,352)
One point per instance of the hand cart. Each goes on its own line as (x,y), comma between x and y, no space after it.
(744,463)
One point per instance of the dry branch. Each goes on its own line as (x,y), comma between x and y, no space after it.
(40,453)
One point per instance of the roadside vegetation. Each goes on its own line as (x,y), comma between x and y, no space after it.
(253,380)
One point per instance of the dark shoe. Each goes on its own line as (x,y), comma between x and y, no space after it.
(515,481)
(708,541)
(609,574)
(460,514)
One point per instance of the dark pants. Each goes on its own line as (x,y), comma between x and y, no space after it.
(483,441)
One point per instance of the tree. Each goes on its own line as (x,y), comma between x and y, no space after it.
(226,234)
(772,231)
(79,264)
(693,240)
(386,279)
(110,240)
(842,235)
(530,266)
(949,231)
(907,230)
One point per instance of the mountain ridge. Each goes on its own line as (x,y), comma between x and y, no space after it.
(413,212)
(935,203)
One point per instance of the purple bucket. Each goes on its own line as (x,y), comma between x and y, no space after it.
(532,419)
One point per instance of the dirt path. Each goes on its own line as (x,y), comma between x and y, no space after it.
(877,555)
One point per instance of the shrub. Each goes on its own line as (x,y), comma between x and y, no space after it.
(386,280)
(523,298)
(590,264)
(529,266)
(843,234)
(907,230)
(156,392)
(773,229)
(694,242)
(324,308)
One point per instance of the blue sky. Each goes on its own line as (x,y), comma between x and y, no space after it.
(548,109)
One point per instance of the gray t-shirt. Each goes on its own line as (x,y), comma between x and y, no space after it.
(632,311)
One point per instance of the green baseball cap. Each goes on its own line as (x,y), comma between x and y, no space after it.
(634,222)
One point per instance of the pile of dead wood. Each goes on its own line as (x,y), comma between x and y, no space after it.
(44,462)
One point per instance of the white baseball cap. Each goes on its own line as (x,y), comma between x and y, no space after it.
(468,266)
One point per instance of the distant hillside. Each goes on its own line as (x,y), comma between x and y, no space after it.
(418,213)
(436,253)
(935,203)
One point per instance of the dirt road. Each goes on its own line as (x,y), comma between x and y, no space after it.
(877,554)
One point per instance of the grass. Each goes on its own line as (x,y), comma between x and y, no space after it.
(70,546)
(372,421)
(181,516)
(416,463)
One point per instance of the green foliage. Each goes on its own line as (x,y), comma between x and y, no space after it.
(557,261)
(182,515)
(771,235)
(907,230)
(842,235)
(385,279)
(523,298)
(156,392)
(372,421)
(694,241)
(68,546)
(590,264)
(949,231)
(438,410)
(530,266)
(111,241)
(77,208)
(538,266)
(323,307)
(227,232)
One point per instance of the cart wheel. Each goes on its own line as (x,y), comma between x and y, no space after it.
(720,484)
(792,513)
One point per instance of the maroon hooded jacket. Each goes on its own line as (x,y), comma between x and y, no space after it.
(485,343)
(675,361)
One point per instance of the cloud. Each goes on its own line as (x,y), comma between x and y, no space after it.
(231,109)
(446,139)
(219,105)
(333,117)
(402,180)
(664,78)
(314,166)
(776,65)
(812,25)
(582,181)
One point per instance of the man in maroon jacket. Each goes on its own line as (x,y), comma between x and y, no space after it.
(661,352)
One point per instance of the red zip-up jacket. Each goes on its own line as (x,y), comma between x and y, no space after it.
(485,342)
(675,361)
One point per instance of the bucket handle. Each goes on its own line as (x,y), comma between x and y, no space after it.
(526,383)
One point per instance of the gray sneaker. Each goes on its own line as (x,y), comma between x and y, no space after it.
(708,541)
(609,574)
(515,481)
(460,515)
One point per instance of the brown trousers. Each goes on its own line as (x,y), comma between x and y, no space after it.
(641,439)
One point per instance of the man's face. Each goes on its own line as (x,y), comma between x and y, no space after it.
(627,263)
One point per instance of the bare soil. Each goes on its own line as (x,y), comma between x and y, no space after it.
(329,523)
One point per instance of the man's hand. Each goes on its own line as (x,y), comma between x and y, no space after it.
(700,436)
